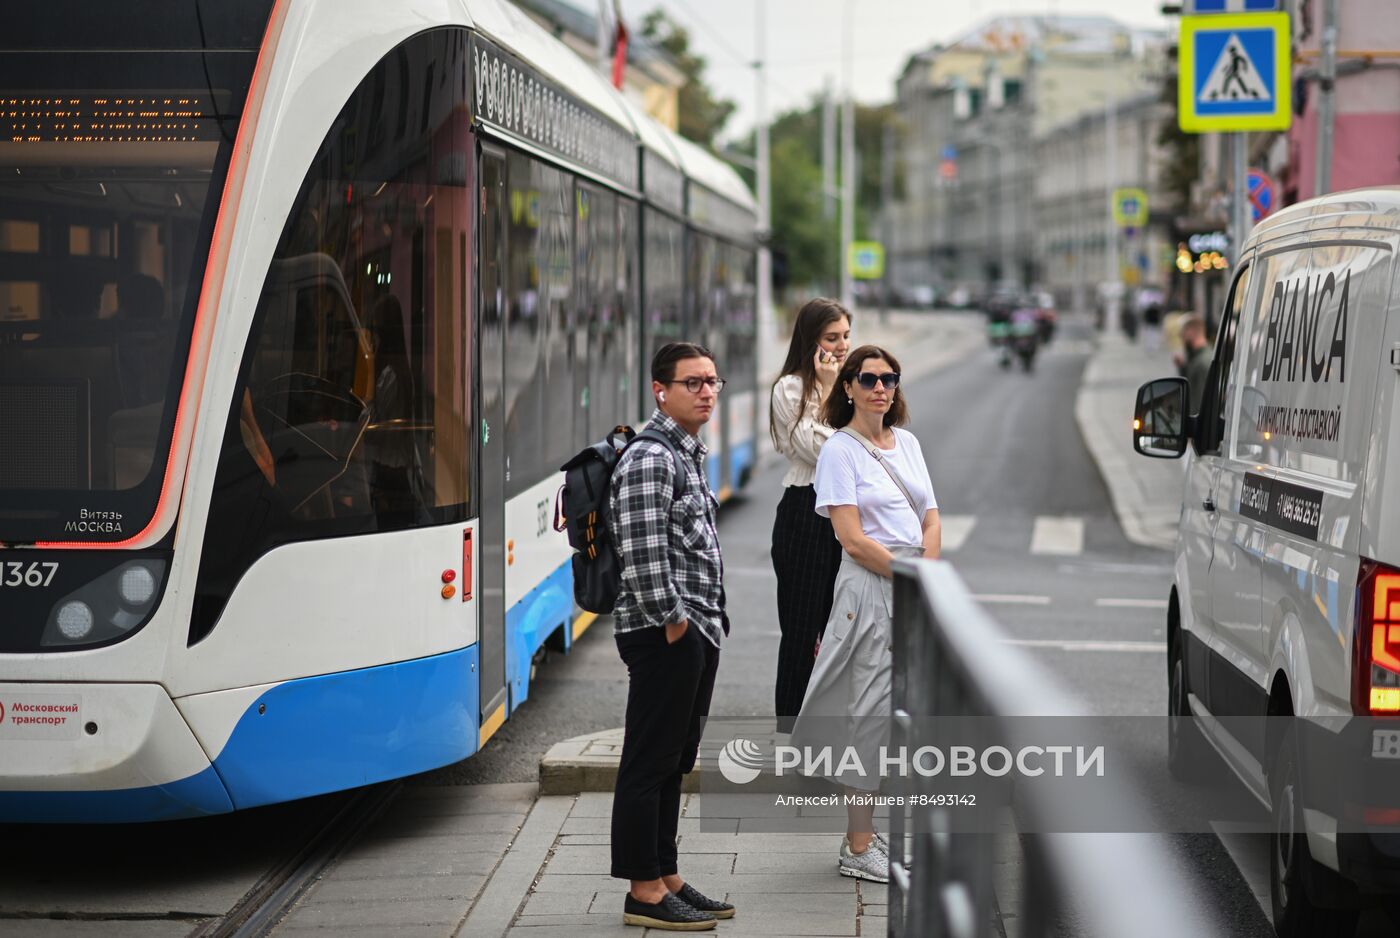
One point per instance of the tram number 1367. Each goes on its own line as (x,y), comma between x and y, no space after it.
(18,573)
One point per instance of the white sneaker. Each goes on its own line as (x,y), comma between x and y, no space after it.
(873,864)
(884,845)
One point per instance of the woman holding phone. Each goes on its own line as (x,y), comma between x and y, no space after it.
(873,483)
(805,552)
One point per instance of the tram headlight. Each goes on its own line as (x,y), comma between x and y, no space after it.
(136,586)
(75,620)
(107,607)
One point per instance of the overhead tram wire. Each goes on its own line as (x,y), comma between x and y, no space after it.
(804,62)
(744,61)
(711,31)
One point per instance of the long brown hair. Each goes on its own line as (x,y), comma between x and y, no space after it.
(812,319)
(838,410)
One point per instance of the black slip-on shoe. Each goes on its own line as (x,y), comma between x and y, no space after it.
(698,900)
(670,914)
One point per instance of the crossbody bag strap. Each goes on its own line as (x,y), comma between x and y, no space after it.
(874,451)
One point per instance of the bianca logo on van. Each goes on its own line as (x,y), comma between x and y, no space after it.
(1298,346)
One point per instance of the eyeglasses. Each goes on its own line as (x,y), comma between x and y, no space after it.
(867,379)
(693,385)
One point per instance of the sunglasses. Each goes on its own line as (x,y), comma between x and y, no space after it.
(867,379)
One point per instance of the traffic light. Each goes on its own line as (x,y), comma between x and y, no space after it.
(781,271)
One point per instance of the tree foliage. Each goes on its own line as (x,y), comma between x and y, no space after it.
(805,238)
(702,115)
(803,234)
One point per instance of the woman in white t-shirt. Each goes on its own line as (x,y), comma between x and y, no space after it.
(873,483)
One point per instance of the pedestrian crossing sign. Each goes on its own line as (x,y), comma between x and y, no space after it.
(1234,73)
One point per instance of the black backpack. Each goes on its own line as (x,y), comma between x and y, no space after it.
(582,508)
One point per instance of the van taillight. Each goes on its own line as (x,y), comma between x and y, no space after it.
(1376,653)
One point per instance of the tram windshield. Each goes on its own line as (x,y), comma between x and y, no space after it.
(112,165)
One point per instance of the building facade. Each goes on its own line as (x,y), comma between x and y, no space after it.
(1078,243)
(971,115)
(1366,129)
(1365,140)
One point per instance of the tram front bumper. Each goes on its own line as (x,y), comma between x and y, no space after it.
(99,753)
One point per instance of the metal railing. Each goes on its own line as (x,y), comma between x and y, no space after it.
(951,659)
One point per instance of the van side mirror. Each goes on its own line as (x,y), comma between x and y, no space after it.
(1160,422)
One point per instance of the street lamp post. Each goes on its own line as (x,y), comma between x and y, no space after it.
(848,158)
(1110,182)
(767,322)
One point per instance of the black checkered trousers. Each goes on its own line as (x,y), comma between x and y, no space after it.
(806,556)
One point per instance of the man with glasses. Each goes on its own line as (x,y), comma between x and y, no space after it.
(670,622)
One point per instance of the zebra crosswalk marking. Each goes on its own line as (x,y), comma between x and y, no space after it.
(1011,599)
(1131,603)
(956,530)
(1052,535)
(1155,648)
(1059,536)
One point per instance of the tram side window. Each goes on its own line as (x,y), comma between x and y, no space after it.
(704,307)
(539,394)
(718,300)
(624,367)
(664,282)
(742,331)
(556,254)
(600,327)
(351,409)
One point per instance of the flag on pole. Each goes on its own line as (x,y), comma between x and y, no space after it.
(619,64)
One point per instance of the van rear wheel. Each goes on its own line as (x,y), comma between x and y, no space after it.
(1294,912)
(1187,751)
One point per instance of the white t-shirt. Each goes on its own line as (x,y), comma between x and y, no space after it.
(848,475)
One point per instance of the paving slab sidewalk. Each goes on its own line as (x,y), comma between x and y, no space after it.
(498,861)
(423,864)
(1146,492)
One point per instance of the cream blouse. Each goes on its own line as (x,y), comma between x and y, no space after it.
(798,431)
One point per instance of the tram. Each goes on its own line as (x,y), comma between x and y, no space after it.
(302,305)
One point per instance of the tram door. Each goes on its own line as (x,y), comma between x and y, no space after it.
(491,438)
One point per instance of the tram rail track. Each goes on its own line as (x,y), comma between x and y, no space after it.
(269,900)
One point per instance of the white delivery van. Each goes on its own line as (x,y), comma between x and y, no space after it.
(1285,600)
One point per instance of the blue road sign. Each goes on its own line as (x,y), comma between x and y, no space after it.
(1234,73)
(866,260)
(950,152)
(1191,7)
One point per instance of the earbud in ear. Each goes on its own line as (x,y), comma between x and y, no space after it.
(662,396)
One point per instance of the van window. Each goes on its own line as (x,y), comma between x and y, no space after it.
(1220,390)
(1312,338)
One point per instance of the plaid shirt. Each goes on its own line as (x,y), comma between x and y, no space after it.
(669,547)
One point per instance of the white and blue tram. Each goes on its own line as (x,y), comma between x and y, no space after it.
(302,304)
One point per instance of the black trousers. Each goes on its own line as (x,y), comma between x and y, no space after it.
(668,697)
(806,556)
